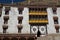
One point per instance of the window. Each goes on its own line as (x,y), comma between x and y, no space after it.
(54,11)
(20,21)
(20,28)
(20,18)
(20,11)
(6,12)
(5,22)
(5,27)
(55,20)
(57,28)
(6,18)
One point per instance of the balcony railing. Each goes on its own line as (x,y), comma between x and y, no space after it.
(38,13)
(38,21)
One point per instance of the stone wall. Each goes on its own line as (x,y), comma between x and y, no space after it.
(50,37)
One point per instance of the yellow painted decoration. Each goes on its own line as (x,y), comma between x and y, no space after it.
(37,13)
(38,21)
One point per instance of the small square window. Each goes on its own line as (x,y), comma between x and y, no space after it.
(5,21)
(6,12)
(20,11)
(20,21)
(55,20)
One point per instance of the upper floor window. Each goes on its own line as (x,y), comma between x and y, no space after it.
(6,18)
(55,20)
(54,11)
(5,27)
(6,12)
(20,11)
(20,21)
(20,18)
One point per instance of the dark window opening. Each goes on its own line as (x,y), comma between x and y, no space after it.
(54,11)
(6,18)
(19,30)
(6,12)
(20,11)
(5,21)
(20,21)
(5,27)
(55,20)
(57,28)
(4,30)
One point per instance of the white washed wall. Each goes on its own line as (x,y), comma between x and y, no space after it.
(25,22)
(58,13)
(13,21)
(50,26)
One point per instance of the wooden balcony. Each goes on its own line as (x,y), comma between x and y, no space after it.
(38,13)
(38,21)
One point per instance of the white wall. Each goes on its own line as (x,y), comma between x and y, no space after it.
(50,26)
(13,21)
(25,22)
(58,13)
